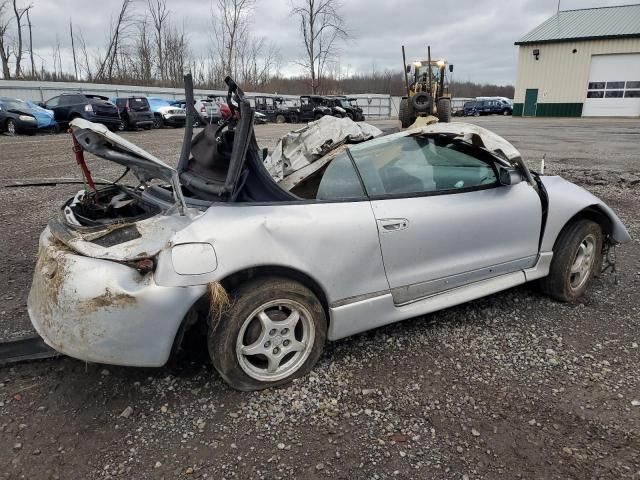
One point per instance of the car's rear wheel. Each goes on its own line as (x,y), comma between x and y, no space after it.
(577,258)
(157,121)
(280,118)
(294,118)
(273,332)
(11,127)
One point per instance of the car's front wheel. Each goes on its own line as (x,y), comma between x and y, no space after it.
(11,127)
(577,258)
(274,331)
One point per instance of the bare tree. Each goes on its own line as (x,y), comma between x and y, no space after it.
(5,53)
(85,64)
(231,30)
(159,16)
(176,55)
(73,49)
(19,13)
(33,64)
(111,57)
(321,25)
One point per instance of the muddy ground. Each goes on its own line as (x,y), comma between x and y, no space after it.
(511,386)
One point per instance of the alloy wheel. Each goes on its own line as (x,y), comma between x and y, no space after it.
(275,340)
(583,262)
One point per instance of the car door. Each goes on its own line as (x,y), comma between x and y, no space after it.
(306,108)
(54,105)
(444,220)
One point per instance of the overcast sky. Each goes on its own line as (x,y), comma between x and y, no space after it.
(475,35)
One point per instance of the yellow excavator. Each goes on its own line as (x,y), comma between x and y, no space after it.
(428,99)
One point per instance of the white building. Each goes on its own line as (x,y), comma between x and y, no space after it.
(581,63)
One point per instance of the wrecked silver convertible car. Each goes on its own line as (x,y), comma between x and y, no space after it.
(369,234)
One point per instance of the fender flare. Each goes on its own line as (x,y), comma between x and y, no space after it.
(567,202)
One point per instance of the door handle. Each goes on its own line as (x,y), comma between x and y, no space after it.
(393,224)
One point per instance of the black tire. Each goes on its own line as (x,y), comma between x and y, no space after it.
(123,125)
(294,118)
(561,283)
(157,121)
(10,127)
(317,116)
(444,110)
(280,118)
(350,115)
(245,301)
(422,102)
(404,114)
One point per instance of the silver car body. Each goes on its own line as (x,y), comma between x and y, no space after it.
(372,262)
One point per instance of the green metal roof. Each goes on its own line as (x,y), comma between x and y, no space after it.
(587,24)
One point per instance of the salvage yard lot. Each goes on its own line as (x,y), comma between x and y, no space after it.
(513,384)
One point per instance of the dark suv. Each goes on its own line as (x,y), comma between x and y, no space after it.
(94,108)
(349,105)
(312,107)
(135,112)
(492,107)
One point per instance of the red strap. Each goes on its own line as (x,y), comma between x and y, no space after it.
(80,160)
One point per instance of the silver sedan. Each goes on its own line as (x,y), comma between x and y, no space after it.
(361,234)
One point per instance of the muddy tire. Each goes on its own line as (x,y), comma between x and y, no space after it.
(404,114)
(274,331)
(577,258)
(444,110)
(294,118)
(280,118)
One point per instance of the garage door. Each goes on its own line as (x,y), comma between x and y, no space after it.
(614,86)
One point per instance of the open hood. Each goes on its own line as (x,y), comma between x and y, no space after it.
(97,139)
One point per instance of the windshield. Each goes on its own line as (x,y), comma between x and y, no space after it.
(138,104)
(422,72)
(14,104)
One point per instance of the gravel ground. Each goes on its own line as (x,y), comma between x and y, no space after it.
(511,386)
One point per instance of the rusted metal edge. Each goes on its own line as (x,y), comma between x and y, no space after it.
(24,349)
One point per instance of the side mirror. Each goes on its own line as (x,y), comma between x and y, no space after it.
(451,68)
(509,175)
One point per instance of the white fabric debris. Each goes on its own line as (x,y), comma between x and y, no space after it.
(302,147)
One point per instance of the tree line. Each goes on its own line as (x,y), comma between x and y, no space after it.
(145,46)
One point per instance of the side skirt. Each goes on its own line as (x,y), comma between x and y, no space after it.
(369,313)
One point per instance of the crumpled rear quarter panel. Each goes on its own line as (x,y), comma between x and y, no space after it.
(102,311)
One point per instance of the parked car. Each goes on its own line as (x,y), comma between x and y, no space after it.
(135,112)
(166,114)
(95,108)
(391,228)
(354,112)
(471,109)
(20,116)
(45,118)
(312,107)
(492,107)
